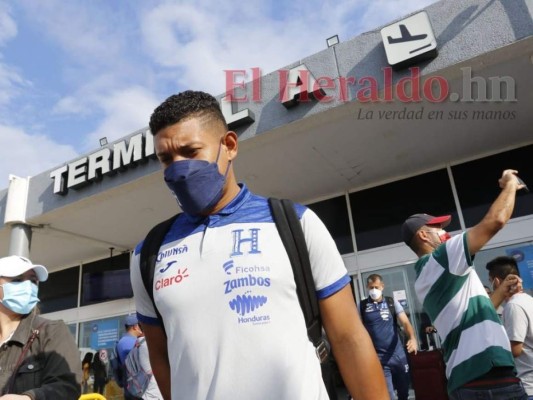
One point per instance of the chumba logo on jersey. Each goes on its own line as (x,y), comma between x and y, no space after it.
(249,280)
(171,252)
(246,304)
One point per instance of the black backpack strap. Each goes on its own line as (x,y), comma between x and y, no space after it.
(149,251)
(392,309)
(362,308)
(292,236)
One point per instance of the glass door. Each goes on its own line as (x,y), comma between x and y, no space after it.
(399,284)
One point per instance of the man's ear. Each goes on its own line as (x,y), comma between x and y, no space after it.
(422,236)
(494,284)
(232,144)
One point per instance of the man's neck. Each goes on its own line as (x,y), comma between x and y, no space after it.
(227,197)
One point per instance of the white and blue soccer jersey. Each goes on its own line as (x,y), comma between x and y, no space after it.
(225,289)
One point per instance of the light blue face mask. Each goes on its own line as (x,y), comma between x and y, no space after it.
(20,297)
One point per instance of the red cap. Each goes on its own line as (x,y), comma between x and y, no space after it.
(417,221)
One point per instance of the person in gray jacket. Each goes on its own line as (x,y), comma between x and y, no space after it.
(39,359)
(152,391)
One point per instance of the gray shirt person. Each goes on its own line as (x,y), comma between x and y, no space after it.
(517,315)
(152,391)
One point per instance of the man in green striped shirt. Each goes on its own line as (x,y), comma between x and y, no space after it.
(476,348)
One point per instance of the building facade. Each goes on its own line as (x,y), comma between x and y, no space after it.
(361,143)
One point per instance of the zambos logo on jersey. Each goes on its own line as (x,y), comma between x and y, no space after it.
(171,252)
(246,281)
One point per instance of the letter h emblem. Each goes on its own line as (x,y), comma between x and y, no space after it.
(252,241)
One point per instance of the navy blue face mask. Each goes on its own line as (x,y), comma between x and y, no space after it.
(196,184)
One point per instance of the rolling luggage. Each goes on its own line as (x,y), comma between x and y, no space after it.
(428,373)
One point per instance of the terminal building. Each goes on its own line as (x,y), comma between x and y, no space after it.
(422,115)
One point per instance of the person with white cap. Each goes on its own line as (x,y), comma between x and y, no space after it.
(39,359)
(479,362)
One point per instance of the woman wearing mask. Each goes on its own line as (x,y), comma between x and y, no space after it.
(39,359)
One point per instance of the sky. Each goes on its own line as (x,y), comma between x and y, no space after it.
(74,71)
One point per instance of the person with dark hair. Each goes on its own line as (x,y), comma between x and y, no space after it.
(232,326)
(478,357)
(86,366)
(99,371)
(380,315)
(517,320)
(39,359)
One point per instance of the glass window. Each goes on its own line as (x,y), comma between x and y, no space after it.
(334,214)
(379,212)
(99,337)
(101,333)
(477,183)
(399,284)
(106,280)
(72,329)
(60,291)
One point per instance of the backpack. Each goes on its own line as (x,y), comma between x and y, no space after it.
(292,236)
(116,366)
(137,379)
(390,304)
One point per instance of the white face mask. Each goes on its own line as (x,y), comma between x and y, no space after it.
(375,293)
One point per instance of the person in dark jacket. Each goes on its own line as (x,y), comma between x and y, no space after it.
(39,359)
(100,372)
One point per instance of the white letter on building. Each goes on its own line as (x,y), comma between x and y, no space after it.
(99,164)
(77,173)
(58,175)
(124,155)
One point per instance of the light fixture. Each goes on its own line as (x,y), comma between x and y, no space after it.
(332,41)
(103,141)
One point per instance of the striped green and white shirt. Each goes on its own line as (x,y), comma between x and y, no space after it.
(473,338)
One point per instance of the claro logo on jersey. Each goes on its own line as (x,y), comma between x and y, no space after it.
(172,280)
(175,279)
(246,288)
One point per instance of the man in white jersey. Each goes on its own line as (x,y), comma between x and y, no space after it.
(517,315)
(479,362)
(232,326)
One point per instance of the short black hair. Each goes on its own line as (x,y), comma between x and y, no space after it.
(502,266)
(187,104)
(373,278)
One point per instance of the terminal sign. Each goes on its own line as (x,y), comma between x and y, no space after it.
(409,41)
(106,161)
(297,84)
